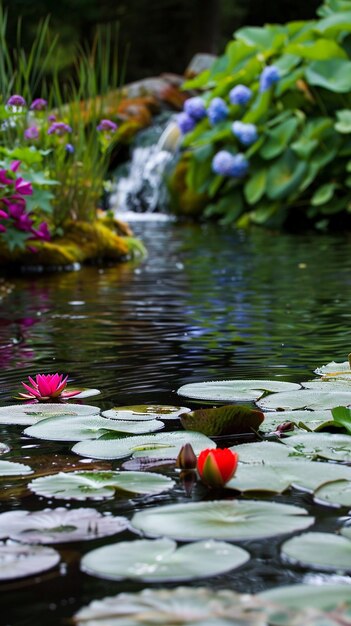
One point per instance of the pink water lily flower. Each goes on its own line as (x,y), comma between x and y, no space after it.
(47,387)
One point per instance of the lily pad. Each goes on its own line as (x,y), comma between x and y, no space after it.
(98,485)
(233,390)
(329,446)
(329,384)
(162,445)
(59,525)
(325,597)
(333,368)
(304,399)
(184,606)
(84,392)
(226,420)
(225,520)
(4,448)
(8,468)
(88,427)
(260,452)
(29,414)
(160,560)
(145,412)
(305,420)
(277,477)
(336,493)
(319,551)
(18,560)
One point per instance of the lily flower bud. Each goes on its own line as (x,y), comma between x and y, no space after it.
(186,459)
(217,466)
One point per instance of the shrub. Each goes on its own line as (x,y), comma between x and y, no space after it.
(279,103)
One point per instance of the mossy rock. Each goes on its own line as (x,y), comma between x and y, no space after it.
(184,201)
(82,242)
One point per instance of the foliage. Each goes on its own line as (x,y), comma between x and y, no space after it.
(290,137)
(60,138)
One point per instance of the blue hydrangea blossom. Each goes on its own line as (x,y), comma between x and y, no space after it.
(245,133)
(195,107)
(217,111)
(226,164)
(270,75)
(185,123)
(240,94)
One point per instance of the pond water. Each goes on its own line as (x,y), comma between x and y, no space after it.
(207,303)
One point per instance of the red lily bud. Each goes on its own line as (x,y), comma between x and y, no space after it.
(217,466)
(186,458)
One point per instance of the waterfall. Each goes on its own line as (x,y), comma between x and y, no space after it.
(141,191)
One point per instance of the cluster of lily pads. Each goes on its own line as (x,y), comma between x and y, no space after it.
(311,453)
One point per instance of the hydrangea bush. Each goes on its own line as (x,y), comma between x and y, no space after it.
(268,138)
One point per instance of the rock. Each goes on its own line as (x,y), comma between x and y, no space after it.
(199,63)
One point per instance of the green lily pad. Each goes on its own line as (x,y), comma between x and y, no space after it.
(4,448)
(19,560)
(260,452)
(330,384)
(184,606)
(304,399)
(233,390)
(336,493)
(226,420)
(59,525)
(29,414)
(145,412)
(305,420)
(277,477)
(342,418)
(160,560)
(325,597)
(8,468)
(161,445)
(224,520)
(98,485)
(87,427)
(329,446)
(333,368)
(84,392)
(319,551)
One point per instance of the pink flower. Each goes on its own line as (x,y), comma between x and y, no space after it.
(42,232)
(47,387)
(2,228)
(32,132)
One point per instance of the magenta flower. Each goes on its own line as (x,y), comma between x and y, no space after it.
(42,232)
(47,387)
(59,128)
(32,132)
(23,187)
(3,215)
(107,125)
(2,228)
(16,101)
(4,178)
(38,104)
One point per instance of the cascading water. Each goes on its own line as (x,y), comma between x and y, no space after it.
(140,191)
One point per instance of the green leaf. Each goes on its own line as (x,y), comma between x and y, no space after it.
(19,561)
(305,399)
(269,37)
(278,138)
(306,550)
(160,560)
(323,194)
(343,125)
(334,75)
(141,412)
(320,50)
(226,420)
(29,414)
(322,445)
(342,416)
(224,519)
(255,186)
(336,493)
(335,23)
(285,176)
(8,468)
(233,390)
(322,596)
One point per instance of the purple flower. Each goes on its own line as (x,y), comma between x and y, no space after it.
(195,107)
(52,118)
(240,94)
(226,164)
(59,128)
(16,101)
(217,111)
(42,232)
(246,133)
(3,215)
(185,123)
(38,104)
(23,187)
(269,77)
(32,132)
(107,125)
(69,148)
